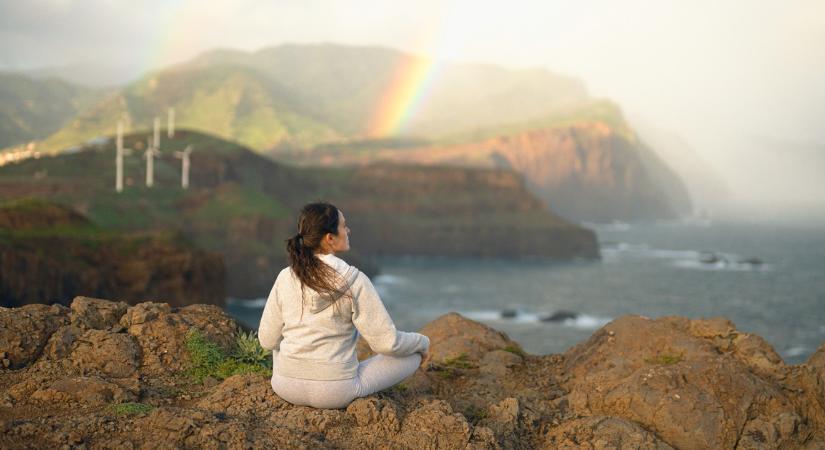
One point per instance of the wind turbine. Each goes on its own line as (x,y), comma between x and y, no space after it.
(119,158)
(184,156)
(149,154)
(170,123)
(156,142)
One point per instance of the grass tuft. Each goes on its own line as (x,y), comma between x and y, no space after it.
(459,362)
(665,359)
(130,408)
(208,360)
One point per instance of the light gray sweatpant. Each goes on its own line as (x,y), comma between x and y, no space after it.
(374,374)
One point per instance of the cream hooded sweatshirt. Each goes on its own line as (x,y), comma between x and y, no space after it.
(321,344)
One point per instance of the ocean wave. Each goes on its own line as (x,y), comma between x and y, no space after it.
(686,259)
(389,279)
(248,303)
(580,321)
(795,351)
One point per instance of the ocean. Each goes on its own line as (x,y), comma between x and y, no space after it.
(767,279)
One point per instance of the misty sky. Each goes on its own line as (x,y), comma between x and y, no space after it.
(743,82)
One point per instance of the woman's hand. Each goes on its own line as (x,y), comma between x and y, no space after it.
(425,359)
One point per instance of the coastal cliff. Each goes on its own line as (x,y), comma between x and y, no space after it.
(244,206)
(102,374)
(590,170)
(51,253)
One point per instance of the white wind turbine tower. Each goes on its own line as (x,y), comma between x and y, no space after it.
(184,156)
(119,158)
(170,123)
(149,154)
(156,142)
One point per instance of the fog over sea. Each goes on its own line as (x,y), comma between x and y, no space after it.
(768,279)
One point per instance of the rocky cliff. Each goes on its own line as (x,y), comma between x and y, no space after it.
(587,171)
(102,374)
(50,253)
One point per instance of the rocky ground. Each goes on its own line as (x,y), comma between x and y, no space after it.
(101,374)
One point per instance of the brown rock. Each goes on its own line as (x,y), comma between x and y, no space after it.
(143,312)
(373,411)
(93,313)
(757,354)
(818,358)
(24,331)
(600,432)
(452,335)
(243,395)
(659,374)
(434,425)
(213,322)
(88,390)
(61,342)
(112,354)
(503,417)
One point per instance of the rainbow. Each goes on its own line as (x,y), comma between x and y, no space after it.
(402,96)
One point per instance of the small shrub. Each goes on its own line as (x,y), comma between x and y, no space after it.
(208,360)
(130,408)
(249,350)
(206,356)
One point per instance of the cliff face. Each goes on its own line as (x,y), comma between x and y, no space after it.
(587,171)
(453,211)
(49,253)
(106,375)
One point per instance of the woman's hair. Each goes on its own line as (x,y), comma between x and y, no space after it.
(315,221)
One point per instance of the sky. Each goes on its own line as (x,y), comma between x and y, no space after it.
(740,82)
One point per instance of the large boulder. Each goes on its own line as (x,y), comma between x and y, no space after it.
(97,314)
(687,381)
(162,333)
(453,335)
(25,331)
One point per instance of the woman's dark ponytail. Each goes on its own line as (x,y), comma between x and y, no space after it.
(315,221)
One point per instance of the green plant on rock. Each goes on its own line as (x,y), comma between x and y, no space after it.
(130,408)
(459,362)
(665,359)
(208,360)
(249,350)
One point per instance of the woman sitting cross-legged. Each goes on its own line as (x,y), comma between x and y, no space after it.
(314,313)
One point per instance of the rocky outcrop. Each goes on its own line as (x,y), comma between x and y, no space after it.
(49,254)
(637,383)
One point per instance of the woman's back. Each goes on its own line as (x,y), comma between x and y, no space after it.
(314,313)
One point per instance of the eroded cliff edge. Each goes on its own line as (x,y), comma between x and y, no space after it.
(636,383)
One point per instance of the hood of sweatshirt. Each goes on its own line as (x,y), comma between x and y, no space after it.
(347,275)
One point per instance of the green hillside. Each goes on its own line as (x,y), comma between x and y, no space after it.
(299,96)
(35,108)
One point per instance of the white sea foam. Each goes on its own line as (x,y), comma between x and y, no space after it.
(686,259)
(251,303)
(389,279)
(581,321)
(795,351)
(586,322)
